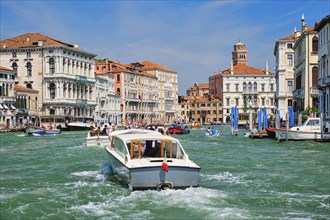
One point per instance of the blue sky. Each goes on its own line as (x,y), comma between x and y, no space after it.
(194,38)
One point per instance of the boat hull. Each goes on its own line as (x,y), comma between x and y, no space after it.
(98,141)
(154,177)
(35,131)
(78,127)
(301,135)
(178,131)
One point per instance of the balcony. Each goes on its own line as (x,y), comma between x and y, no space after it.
(250,92)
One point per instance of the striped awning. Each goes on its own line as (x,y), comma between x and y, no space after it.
(1,107)
(12,107)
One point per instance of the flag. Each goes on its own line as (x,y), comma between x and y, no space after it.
(164,164)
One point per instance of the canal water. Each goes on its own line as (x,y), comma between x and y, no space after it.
(59,177)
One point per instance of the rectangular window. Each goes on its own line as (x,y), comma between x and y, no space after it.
(262,101)
(290,86)
(289,46)
(28,54)
(118,78)
(290,59)
(262,87)
(236,87)
(237,101)
(227,87)
(227,99)
(14,54)
(271,87)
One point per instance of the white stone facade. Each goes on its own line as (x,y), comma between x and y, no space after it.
(7,99)
(284,56)
(62,73)
(323,29)
(108,104)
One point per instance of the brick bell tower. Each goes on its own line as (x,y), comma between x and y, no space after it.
(240,54)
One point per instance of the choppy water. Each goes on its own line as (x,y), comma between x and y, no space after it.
(60,178)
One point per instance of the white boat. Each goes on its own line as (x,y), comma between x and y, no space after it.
(97,140)
(144,159)
(37,131)
(80,123)
(310,130)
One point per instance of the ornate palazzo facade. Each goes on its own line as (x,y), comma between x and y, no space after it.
(62,73)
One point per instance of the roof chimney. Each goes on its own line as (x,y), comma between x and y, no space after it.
(267,67)
(4,45)
(231,68)
(27,39)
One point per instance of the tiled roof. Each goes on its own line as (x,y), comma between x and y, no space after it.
(4,68)
(289,37)
(19,87)
(31,40)
(243,69)
(148,65)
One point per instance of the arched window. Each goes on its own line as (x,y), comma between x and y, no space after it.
(118,91)
(15,66)
(52,90)
(250,87)
(255,86)
(51,65)
(315,47)
(29,68)
(29,85)
(314,76)
(244,86)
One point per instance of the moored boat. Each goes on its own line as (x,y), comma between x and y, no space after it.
(144,159)
(310,130)
(37,131)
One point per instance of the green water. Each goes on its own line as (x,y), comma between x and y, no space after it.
(59,177)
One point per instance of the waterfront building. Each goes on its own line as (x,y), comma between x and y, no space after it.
(323,29)
(7,98)
(138,91)
(284,56)
(107,109)
(199,89)
(184,109)
(167,88)
(62,73)
(305,92)
(27,105)
(206,110)
(243,86)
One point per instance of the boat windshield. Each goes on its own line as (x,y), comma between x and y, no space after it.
(312,122)
(154,148)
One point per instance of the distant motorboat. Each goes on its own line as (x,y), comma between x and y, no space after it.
(179,130)
(310,130)
(97,140)
(37,131)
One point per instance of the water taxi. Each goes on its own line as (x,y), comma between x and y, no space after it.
(145,159)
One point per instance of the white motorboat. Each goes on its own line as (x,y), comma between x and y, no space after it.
(37,131)
(97,140)
(310,130)
(144,159)
(80,123)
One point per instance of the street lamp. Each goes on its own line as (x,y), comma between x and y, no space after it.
(250,114)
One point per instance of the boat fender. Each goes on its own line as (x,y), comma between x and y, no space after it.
(164,186)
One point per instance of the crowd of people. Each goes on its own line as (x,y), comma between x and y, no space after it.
(101,130)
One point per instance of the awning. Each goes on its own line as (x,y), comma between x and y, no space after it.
(12,107)
(5,106)
(1,107)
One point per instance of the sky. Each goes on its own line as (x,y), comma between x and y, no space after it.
(194,38)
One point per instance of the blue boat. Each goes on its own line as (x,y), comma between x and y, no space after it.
(37,131)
